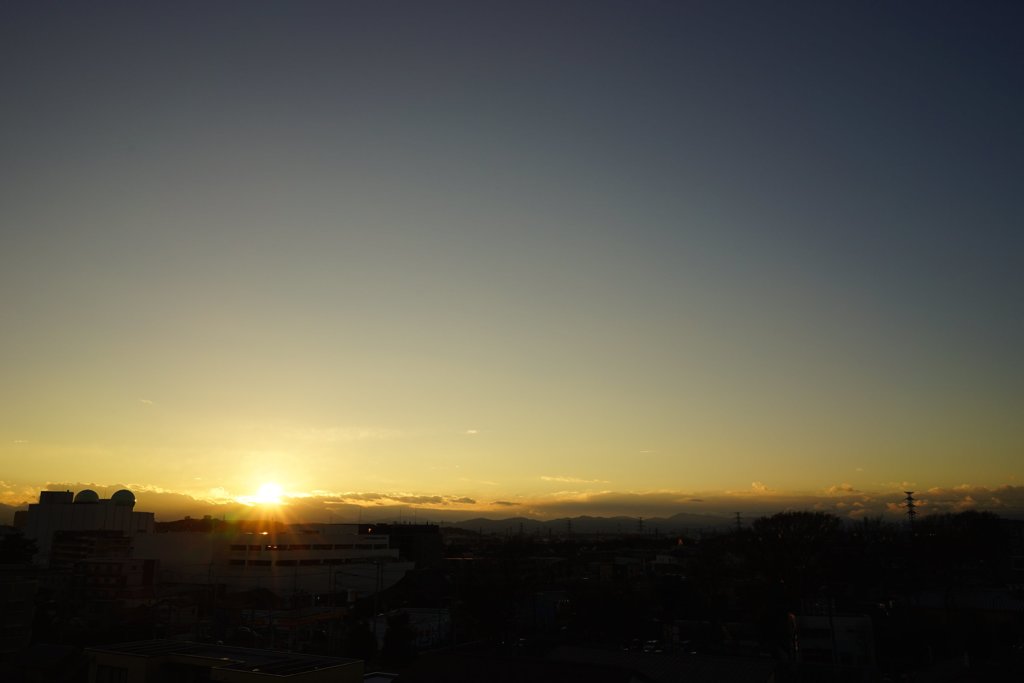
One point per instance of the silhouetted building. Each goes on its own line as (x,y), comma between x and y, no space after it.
(18,586)
(123,579)
(84,511)
(174,660)
(420,543)
(19,581)
(69,547)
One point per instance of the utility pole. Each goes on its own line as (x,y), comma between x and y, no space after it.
(739,522)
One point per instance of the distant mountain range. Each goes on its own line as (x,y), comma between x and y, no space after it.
(596,525)
(583,525)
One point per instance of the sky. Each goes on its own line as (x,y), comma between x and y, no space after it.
(512,256)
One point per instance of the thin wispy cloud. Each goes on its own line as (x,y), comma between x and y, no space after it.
(420,500)
(572,480)
(391,498)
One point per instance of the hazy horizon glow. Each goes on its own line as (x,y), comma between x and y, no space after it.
(697,509)
(520,253)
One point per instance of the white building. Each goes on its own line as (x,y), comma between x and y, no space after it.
(84,511)
(317,559)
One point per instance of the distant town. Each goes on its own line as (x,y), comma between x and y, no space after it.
(96,590)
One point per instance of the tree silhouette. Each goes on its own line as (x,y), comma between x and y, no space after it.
(959,546)
(792,548)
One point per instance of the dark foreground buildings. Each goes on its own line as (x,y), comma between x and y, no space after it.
(798,596)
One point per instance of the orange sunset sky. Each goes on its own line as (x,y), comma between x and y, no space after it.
(512,258)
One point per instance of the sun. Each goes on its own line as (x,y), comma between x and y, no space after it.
(269,493)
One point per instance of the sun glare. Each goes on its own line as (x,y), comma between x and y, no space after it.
(269,493)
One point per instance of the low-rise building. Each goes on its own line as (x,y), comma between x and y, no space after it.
(316,559)
(175,660)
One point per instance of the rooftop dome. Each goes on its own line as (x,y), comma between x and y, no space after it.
(123,497)
(87,496)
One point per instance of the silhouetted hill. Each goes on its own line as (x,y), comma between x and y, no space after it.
(689,520)
(500,526)
(586,524)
